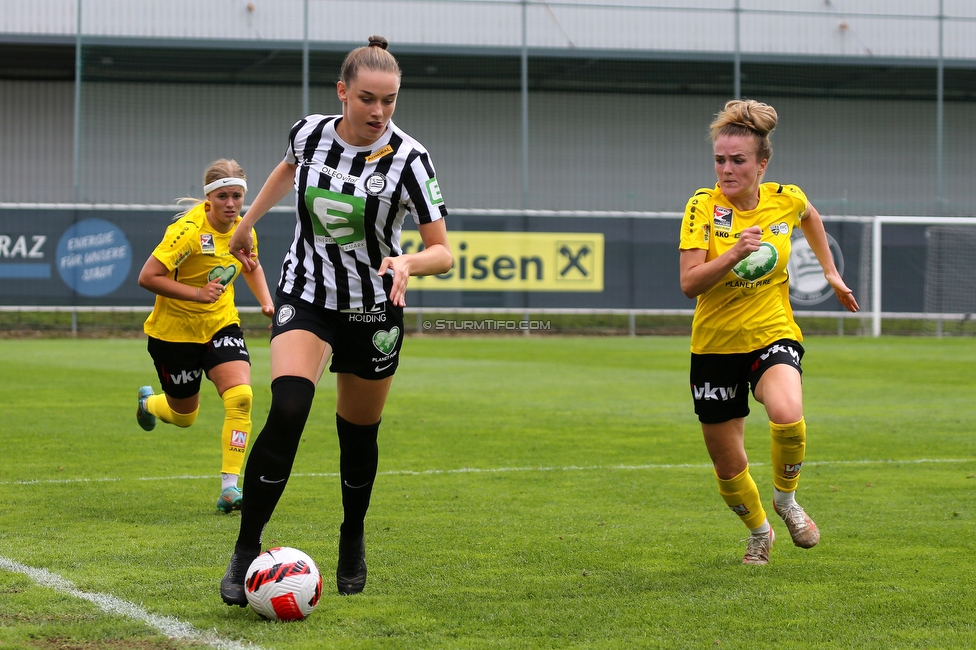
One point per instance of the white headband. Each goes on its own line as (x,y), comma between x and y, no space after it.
(224,182)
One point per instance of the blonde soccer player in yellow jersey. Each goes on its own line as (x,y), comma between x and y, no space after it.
(195,329)
(735,245)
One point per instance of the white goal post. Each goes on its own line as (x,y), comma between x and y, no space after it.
(876,237)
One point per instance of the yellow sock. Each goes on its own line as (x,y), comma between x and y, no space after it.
(237,428)
(788,448)
(158,406)
(742,496)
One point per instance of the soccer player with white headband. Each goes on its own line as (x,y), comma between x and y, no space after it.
(195,328)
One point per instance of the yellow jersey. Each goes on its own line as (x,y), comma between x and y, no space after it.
(750,307)
(195,254)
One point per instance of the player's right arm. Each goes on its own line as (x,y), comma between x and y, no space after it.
(698,276)
(280,182)
(154,276)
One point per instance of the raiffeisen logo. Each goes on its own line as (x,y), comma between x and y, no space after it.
(507,261)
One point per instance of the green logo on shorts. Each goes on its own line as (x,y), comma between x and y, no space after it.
(386,341)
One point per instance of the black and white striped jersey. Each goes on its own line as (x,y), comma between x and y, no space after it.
(350,206)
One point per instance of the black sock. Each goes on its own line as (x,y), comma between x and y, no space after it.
(272,456)
(358,459)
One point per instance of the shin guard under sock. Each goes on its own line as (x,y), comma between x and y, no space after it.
(236,429)
(742,496)
(358,460)
(272,455)
(159,406)
(788,447)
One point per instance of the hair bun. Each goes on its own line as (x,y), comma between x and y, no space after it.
(378,41)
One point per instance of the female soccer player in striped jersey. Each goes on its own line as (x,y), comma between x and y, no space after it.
(735,245)
(194,327)
(341,295)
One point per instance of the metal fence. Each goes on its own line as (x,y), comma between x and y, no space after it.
(572,117)
(572,105)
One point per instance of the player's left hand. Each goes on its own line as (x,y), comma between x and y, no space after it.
(844,294)
(268,310)
(398,267)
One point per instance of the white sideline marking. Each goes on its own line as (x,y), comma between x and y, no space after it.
(171,627)
(500,470)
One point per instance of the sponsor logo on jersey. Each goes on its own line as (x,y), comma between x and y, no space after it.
(434,192)
(207,243)
(325,241)
(223,274)
(375,183)
(758,264)
(285,314)
(779,228)
(379,154)
(339,218)
(238,439)
(183,254)
(339,176)
(722,218)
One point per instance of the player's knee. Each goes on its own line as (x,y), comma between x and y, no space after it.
(237,401)
(183,420)
(795,431)
(291,401)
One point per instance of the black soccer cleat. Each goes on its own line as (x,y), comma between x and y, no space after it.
(232,585)
(351,572)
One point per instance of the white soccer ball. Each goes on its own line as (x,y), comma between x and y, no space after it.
(283,584)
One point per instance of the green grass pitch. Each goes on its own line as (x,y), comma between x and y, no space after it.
(534,492)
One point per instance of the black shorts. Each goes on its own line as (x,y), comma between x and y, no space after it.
(365,342)
(720,383)
(180,366)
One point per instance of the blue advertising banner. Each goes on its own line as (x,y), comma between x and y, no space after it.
(91,256)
